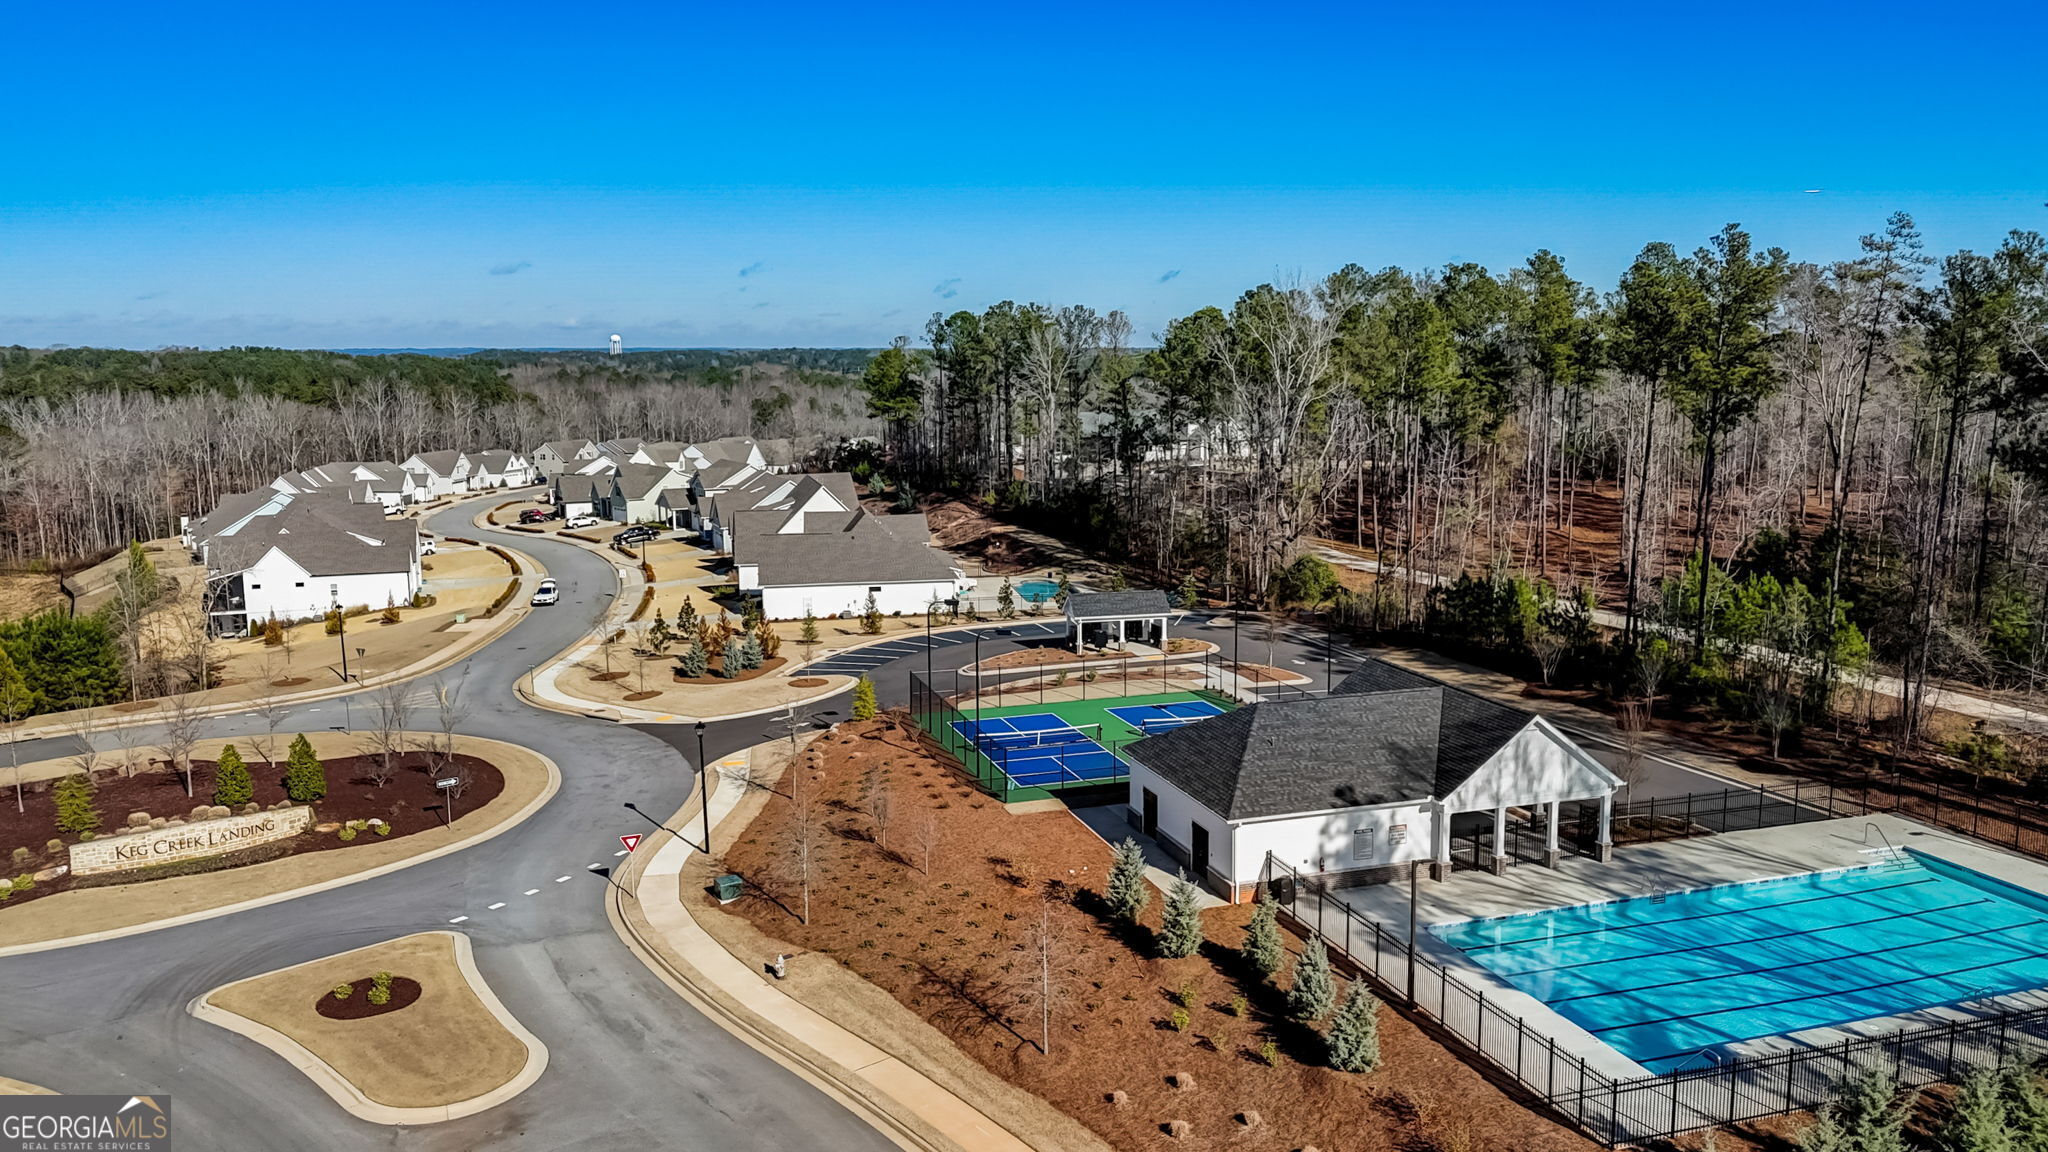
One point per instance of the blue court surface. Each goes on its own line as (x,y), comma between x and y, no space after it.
(1041,750)
(1153,718)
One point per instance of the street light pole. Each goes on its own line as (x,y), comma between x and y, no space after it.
(703,788)
(341,624)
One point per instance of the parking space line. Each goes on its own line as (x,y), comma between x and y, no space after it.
(458,919)
(494,907)
(531,892)
(561,879)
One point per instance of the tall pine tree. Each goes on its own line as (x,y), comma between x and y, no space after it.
(305,777)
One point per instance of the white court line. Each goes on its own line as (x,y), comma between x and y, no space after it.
(494,907)
(561,879)
(531,892)
(458,919)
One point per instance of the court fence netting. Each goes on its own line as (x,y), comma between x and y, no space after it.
(951,704)
(1618,1112)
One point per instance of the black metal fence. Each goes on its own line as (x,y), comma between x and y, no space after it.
(1618,1111)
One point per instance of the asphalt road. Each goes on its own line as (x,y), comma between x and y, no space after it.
(630,1064)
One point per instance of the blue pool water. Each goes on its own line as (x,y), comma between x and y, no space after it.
(1038,591)
(1661,979)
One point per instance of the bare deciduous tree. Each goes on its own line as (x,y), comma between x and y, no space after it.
(179,732)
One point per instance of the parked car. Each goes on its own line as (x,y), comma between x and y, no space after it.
(533,516)
(547,593)
(580,522)
(636,534)
(426,546)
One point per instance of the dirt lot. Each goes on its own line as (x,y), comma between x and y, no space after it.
(408,802)
(965,530)
(937,905)
(29,593)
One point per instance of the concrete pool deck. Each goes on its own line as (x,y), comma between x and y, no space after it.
(1670,867)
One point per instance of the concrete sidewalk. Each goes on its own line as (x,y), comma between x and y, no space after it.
(753,1007)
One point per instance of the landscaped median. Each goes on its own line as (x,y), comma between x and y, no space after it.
(403,1032)
(176,864)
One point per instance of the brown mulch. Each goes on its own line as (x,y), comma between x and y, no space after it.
(408,802)
(712,676)
(405,991)
(288,682)
(608,677)
(1262,673)
(808,682)
(641,695)
(954,947)
(135,705)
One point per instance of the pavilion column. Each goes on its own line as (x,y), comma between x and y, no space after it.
(1603,849)
(1551,855)
(1499,863)
(1440,844)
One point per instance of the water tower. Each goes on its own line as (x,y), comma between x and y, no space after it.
(618,343)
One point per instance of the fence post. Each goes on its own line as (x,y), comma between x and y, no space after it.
(1760,806)
(1688,816)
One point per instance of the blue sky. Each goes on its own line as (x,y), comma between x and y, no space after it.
(749,174)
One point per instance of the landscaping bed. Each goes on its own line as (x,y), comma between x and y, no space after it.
(1033,657)
(713,676)
(407,803)
(937,905)
(405,991)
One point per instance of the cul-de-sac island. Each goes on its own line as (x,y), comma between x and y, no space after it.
(839,579)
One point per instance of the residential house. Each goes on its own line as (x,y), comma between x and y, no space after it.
(555,457)
(1367,778)
(636,490)
(821,553)
(575,494)
(295,555)
(497,468)
(441,473)
(364,481)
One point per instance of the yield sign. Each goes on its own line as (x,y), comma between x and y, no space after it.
(631,840)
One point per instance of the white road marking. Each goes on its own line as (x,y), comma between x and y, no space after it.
(561,879)
(531,892)
(597,865)
(620,852)
(495,907)
(458,919)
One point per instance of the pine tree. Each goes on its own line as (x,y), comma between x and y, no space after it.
(750,651)
(1190,591)
(1180,932)
(694,661)
(1064,589)
(76,812)
(232,785)
(1006,600)
(1263,950)
(658,635)
(770,642)
(1980,1121)
(733,658)
(305,777)
(686,618)
(1129,891)
(864,699)
(1825,1134)
(871,617)
(1868,1115)
(1313,993)
(809,636)
(2027,1107)
(1353,1044)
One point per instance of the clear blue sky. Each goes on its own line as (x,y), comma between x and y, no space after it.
(757,174)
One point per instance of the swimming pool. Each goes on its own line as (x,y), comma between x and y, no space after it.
(1660,978)
(1038,591)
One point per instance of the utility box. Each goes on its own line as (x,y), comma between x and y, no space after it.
(728,887)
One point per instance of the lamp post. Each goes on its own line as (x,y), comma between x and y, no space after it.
(341,624)
(703,788)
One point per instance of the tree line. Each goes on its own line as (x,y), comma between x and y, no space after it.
(1865,433)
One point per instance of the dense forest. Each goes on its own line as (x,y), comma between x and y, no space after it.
(100,446)
(1737,452)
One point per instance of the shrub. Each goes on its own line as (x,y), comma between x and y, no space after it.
(2028,1107)
(1353,1044)
(734,659)
(1239,1005)
(347,832)
(694,662)
(380,994)
(273,633)
(333,621)
(381,829)
(864,707)
(19,856)
(1981,1120)
(1129,891)
(1269,1052)
(232,784)
(1187,994)
(750,651)
(1179,1019)
(305,777)
(1181,933)
(1868,1115)
(76,812)
(391,614)
(1313,993)
(770,643)
(1263,950)
(26,882)
(344,991)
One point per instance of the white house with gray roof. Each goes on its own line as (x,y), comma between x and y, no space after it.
(1347,785)
(636,491)
(498,468)
(364,481)
(818,552)
(440,473)
(294,555)
(554,457)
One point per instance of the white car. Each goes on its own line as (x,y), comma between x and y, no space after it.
(426,546)
(545,594)
(580,522)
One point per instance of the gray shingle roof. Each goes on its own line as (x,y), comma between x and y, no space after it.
(1385,735)
(1116,605)
(573,488)
(859,549)
(442,463)
(323,533)
(635,481)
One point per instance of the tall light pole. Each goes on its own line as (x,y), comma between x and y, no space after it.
(341,623)
(703,788)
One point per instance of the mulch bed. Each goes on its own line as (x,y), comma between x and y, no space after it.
(289,682)
(408,802)
(953,946)
(608,677)
(711,675)
(808,682)
(1032,657)
(1262,673)
(404,992)
(641,695)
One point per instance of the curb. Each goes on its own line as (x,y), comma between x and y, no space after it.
(343,1091)
(547,793)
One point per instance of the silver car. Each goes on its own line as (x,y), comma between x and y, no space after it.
(547,593)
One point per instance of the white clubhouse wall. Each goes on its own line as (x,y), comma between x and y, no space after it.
(907,598)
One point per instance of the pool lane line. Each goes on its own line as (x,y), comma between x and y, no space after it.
(1897,915)
(1821,995)
(1881,957)
(1682,919)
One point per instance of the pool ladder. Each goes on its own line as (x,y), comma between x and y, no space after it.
(1894,860)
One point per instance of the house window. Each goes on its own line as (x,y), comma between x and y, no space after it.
(1361,844)
(299,584)
(254,586)
(874,587)
(1398,834)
